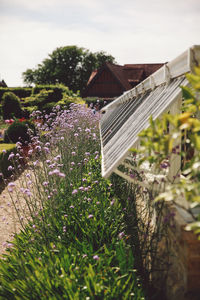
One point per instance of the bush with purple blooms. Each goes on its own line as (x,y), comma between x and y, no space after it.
(73,243)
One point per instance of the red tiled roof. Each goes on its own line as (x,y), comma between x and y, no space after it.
(128,75)
(132,72)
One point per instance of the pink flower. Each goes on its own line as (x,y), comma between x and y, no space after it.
(121,235)
(96,257)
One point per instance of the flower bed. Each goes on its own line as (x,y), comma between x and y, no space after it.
(73,243)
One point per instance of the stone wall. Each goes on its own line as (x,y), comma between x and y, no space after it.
(183,281)
(183,247)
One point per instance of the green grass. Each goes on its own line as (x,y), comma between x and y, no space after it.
(6,147)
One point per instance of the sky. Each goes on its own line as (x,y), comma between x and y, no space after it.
(133,31)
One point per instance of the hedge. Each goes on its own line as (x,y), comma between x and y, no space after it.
(24,92)
(21,92)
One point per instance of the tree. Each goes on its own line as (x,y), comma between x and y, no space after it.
(68,65)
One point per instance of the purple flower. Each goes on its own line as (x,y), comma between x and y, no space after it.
(74,192)
(30,152)
(90,216)
(61,174)
(11,184)
(96,257)
(121,235)
(71,206)
(11,156)
(46,149)
(112,202)
(54,172)
(38,148)
(84,255)
(35,163)
(164,165)
(57,157)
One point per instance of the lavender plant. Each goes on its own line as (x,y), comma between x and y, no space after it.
(73,243)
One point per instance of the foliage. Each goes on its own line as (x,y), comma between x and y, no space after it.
(73,244)
(40,99)
(68,65)
(58,90)
(44,98)
(20,92)
(28,110)
(92,101)
(5,151)
(19,131)
(11,106)
(160,145)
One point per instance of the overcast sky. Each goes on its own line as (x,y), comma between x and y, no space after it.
(133,31)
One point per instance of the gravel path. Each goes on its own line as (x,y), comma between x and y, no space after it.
(9,222)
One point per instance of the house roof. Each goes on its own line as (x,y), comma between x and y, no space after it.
(129,114)
(127,75)
(92,76)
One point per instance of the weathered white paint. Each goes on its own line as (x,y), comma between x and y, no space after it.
(128,115)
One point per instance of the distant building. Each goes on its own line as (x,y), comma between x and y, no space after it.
(112,80)
(3,84)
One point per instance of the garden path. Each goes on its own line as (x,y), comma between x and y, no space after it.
(9,222)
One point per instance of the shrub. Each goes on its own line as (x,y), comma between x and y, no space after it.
(92,101)
(5,151)
(47,108)
(20,92)
(39,100)
(58,91)
(19,131)
(11,106)
(27,111)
